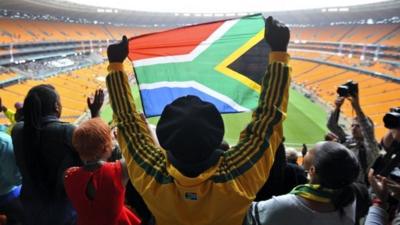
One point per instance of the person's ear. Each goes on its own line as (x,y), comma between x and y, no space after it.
(312,170)
(312,175)
(57,108)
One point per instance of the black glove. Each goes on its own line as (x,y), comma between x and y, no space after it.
(277,35)
(117,53)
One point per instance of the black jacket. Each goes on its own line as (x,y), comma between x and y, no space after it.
(42,194)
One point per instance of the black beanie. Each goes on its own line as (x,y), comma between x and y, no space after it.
(190,129)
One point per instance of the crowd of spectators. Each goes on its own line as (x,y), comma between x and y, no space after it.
(182,171)
(47,67)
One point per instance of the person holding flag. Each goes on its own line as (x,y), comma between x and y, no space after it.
(188,180)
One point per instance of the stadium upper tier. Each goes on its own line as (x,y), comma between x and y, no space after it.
(21,31)
(383,34)
(367,64)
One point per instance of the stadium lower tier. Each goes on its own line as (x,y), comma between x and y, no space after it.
(7,76)
(377,95)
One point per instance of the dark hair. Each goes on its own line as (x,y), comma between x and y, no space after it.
(336,168)
(39,102)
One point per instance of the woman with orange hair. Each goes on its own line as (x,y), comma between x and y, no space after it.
(96,189)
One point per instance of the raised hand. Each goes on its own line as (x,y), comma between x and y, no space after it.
(339,102)
(117,53)
(96,104)
(277,35)
(394,188)
(3,108)
(355,101)
(378,185)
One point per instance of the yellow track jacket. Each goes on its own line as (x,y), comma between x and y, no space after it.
(222,194)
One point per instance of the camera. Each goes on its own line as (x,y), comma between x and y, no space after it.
(350,88)
(392,118)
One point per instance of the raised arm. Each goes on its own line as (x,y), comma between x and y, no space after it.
(250,161)
(367,131)
(144,160)
(333,120)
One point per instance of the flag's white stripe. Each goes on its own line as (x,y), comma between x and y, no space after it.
(198,86)
(194,53)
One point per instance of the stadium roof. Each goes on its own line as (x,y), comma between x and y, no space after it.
(220,6)
(72,12)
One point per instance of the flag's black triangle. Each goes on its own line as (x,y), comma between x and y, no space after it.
(253,63)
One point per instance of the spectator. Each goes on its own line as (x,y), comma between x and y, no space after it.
(391,140)
(362,140)
(294,175)
(8,113)
(97,189)
(304,150)
(382,188)
(12,116)
(192,176)
(391,143)
(132,197)
(43,151)
(10,184)
(284,176)
(291,155)
(275,184)
(388,169)
(19,113)
(377,214)
(327,199)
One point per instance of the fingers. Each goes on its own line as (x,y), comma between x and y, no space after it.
(351,99)
(99,97)
(371,177)
(340,98)
(286,29)
(391,182)
(381,178)
(269,21)
(394,190)
(392,186)
(371,173)
(96,98)
(89,102)
(124,41)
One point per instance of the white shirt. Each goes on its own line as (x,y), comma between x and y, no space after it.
(290,210)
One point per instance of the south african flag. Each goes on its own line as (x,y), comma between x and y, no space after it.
(221,62)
